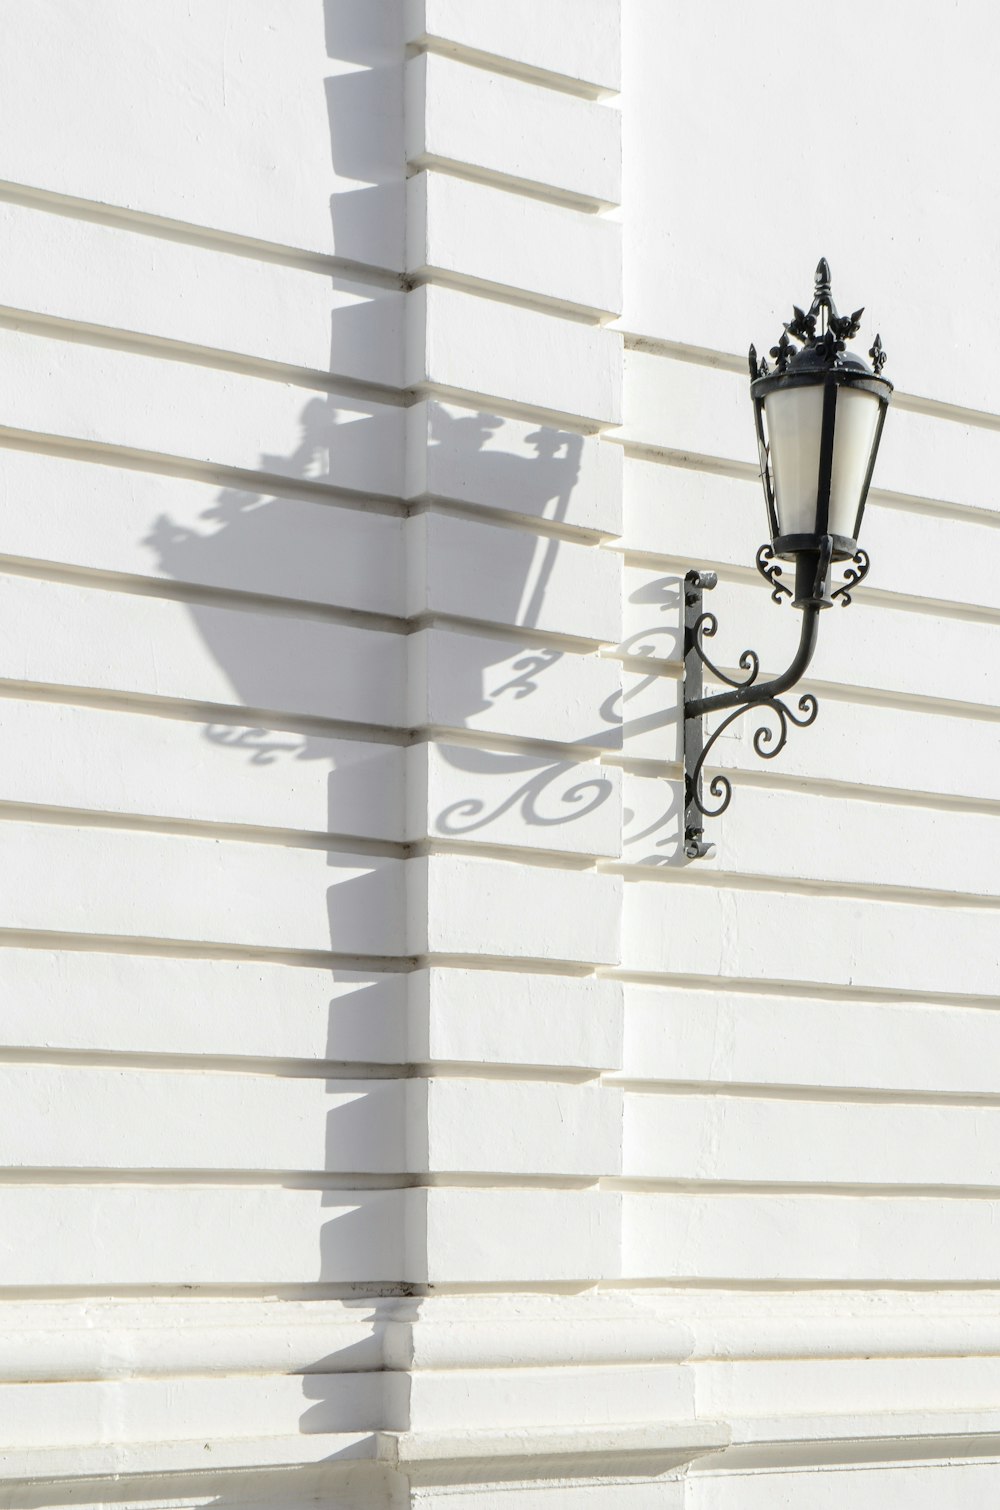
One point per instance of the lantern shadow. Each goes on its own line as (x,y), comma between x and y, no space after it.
(364,102)
(494,687)
(506,792)
(268,660)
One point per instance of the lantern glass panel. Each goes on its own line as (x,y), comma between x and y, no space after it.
(794,429)
(794,425)
(853,438)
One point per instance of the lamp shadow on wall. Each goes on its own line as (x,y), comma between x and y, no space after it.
(364,103)
(366,1137)
(497,795)
(487,673)
(493,794)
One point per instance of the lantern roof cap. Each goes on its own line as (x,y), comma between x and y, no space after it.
(823,334)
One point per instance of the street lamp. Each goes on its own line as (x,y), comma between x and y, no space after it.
(819,414)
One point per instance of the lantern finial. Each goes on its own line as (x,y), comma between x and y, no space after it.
(835,330)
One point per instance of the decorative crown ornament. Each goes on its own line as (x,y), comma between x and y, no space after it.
(823,349)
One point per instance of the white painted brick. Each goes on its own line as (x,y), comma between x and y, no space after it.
(104,518)
(808,1237)
(650,710)
(464,681)
(842,1385)
(498,797)
(688,407)
(124,1411)
(672,511)
(898,1487)
(133,1003)
(857,942)
(214,120)
(579,39)
(653,823)
(465,344)
(507,129)
(150,1119)
(199,414)
(677,1035)
(467,230)
(625,1494)
(528,1397)
(505,1017)
(687,284)
(52,1339)
(511,1128)
(512,577)
(464,906)
(653,613)
(121,1235)
(906,846)
(104,1461)
(931,457)
(802,1142)
(158,886)
(510,1235)
(174,291)
(138,764)
(60,635)
(513,465)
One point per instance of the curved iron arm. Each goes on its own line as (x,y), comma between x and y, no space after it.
(769,739)
(749,693)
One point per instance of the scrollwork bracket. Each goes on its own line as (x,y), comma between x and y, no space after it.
(745,693)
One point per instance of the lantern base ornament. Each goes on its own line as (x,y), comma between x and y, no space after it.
(811,595)
(807,569)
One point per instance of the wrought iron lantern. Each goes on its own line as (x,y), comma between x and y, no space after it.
(819,413)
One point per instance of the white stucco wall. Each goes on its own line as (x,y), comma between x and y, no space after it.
(390,1116)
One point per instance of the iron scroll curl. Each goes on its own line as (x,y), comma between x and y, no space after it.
(707,625)
(768,741)
(742,694)
(767,566)
(863,563)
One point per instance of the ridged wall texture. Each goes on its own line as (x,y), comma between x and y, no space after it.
(390,1114)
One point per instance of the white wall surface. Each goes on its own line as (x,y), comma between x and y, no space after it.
(796,1005)
(389,1115)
